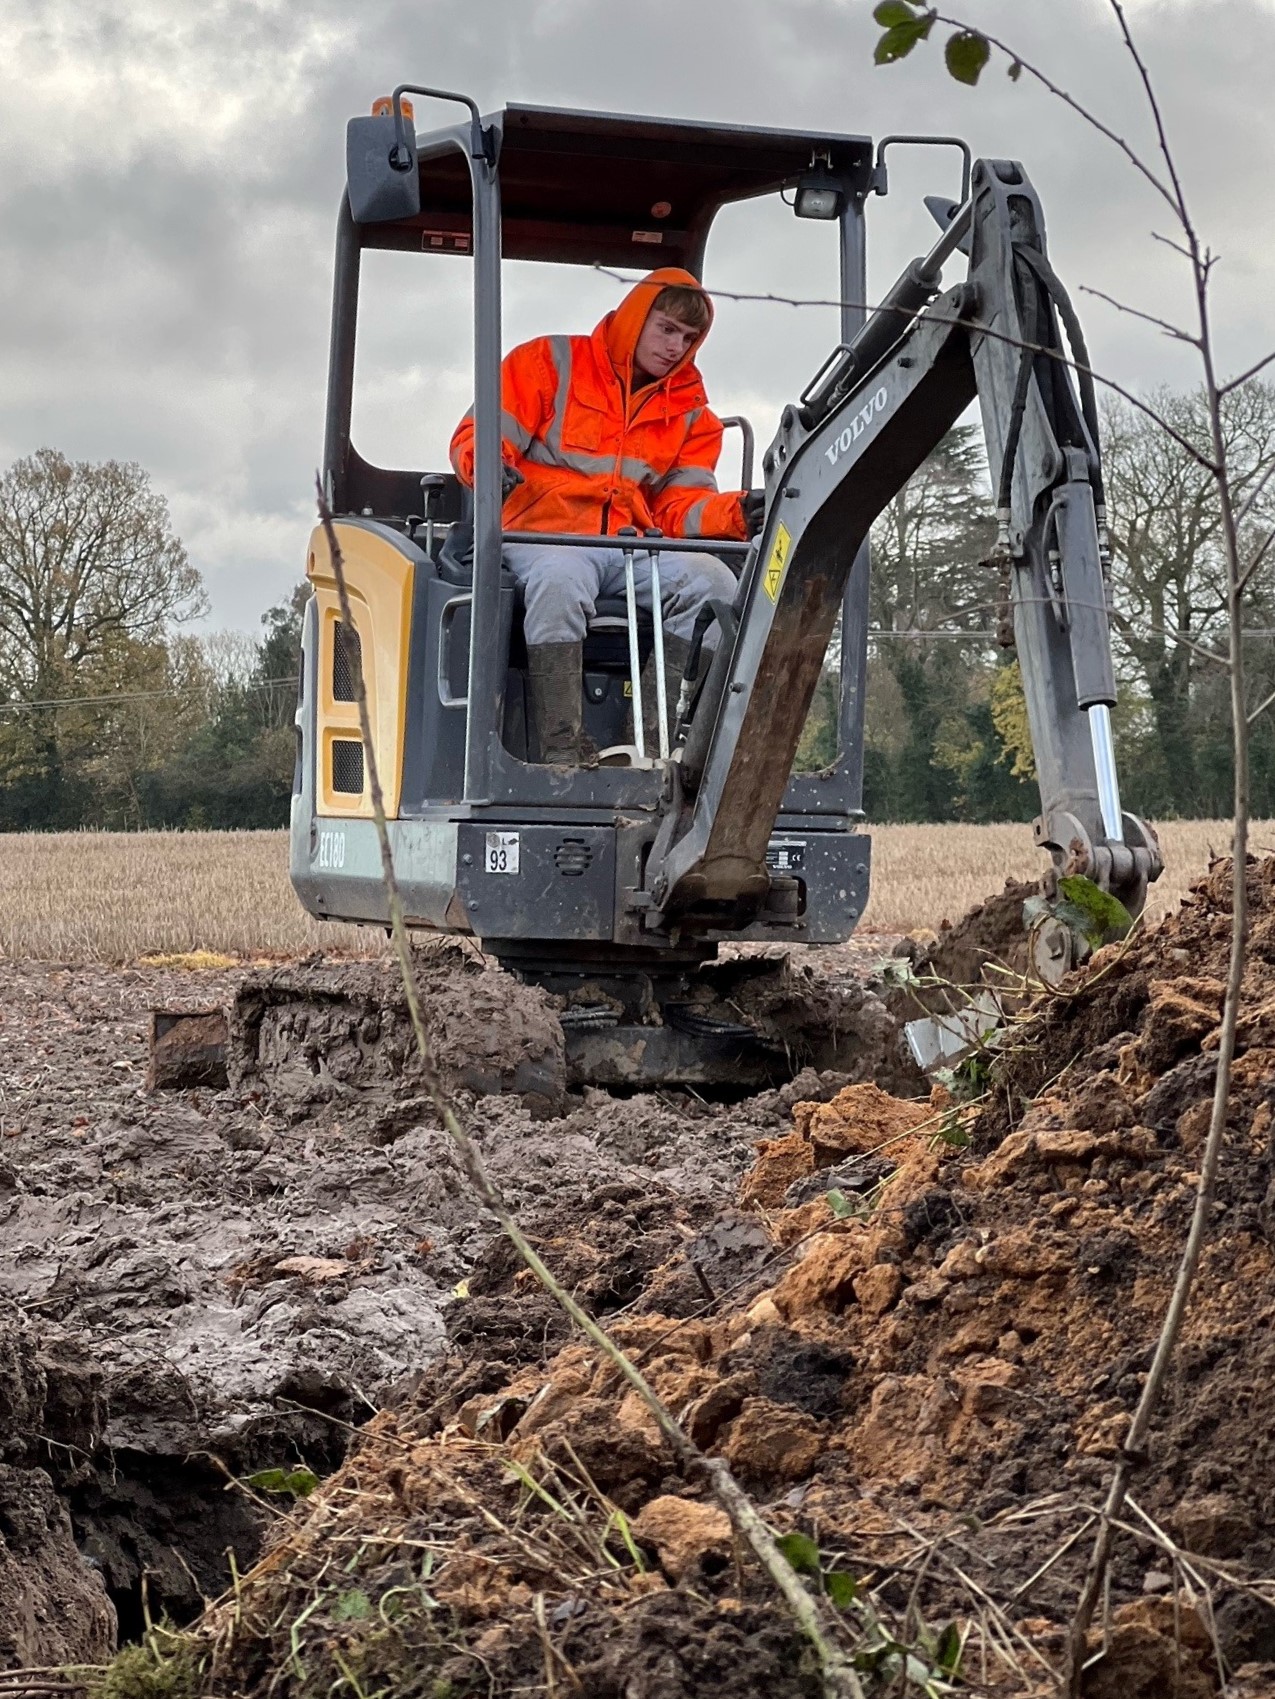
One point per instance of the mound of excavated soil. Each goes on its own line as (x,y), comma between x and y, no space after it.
(932,1381)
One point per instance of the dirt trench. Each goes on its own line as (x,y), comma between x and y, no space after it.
(238,1278)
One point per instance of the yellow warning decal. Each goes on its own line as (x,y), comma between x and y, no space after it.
(773,576)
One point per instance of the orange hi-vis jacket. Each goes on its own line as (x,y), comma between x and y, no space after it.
(596,456)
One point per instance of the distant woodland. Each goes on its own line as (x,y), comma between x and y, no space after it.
(114,714)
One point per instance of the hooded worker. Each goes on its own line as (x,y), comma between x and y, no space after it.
(602,432)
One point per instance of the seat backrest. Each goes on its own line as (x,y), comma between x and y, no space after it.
(374,492)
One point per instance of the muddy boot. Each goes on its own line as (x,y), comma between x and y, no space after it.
(555,677)
(676,654)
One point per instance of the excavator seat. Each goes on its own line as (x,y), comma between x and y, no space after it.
(606,645)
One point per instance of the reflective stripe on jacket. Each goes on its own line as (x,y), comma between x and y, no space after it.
(594,455)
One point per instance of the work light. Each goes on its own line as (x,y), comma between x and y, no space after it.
(818,194)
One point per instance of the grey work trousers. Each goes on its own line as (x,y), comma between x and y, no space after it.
(561,587)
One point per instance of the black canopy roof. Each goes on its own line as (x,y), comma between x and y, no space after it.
(602,188)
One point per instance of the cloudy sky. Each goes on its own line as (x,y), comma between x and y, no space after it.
(172,170)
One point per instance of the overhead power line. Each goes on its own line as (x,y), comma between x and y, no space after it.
(128,696)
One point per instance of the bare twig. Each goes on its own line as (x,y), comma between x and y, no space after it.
(1254,496)
(19,1687)
(57,1672)
(1259,555)
(839,1679)
(1168,242)
(1172,330)
(1091,118)
(1056,1557)
(972,325)
(1247,373)
(1177,200)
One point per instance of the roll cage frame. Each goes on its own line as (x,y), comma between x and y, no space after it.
(534,182)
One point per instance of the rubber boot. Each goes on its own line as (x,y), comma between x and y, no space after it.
(556,679)
(677,651)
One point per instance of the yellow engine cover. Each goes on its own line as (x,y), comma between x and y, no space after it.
(378,577)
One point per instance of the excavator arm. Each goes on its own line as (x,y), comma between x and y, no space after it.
(870,417)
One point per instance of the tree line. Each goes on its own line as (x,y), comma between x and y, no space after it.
(113,715)
(947,734)
(110,714)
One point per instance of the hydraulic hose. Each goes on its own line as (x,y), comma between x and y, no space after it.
(1080,356)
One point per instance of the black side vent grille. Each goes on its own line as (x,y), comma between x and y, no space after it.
(347,766)
(573,858)
(347,658)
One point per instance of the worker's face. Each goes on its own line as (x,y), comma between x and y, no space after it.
(663,343)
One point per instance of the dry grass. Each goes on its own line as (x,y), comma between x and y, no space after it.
(114,896)
(104,896)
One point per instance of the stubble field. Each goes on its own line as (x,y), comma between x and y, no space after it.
(115,897)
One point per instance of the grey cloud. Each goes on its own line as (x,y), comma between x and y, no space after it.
(172,174)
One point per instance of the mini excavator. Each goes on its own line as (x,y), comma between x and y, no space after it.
(613,886)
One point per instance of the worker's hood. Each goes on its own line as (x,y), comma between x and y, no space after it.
(620,329)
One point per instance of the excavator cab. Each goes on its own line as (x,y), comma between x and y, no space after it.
(614,885)
(540,863)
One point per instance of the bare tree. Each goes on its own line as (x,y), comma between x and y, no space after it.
(88,562)
(230,657)
(1169,572)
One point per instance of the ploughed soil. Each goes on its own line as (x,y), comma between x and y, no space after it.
(914,1328)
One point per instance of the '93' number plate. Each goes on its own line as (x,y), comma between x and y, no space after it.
(502,852)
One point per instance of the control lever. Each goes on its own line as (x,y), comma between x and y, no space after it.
(432,485)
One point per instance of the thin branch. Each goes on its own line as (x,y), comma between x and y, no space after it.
(1166,153)
(1261,708)
(839,1679)
(1177,247)
(1258,557)
(1254,495)
(1173,330)
(1252,371)
(1135,159)
(974,326)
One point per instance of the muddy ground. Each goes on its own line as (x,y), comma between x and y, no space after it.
(915,1330)
(919,1350)
(197,1285)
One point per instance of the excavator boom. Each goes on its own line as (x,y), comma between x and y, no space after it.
(869,419)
